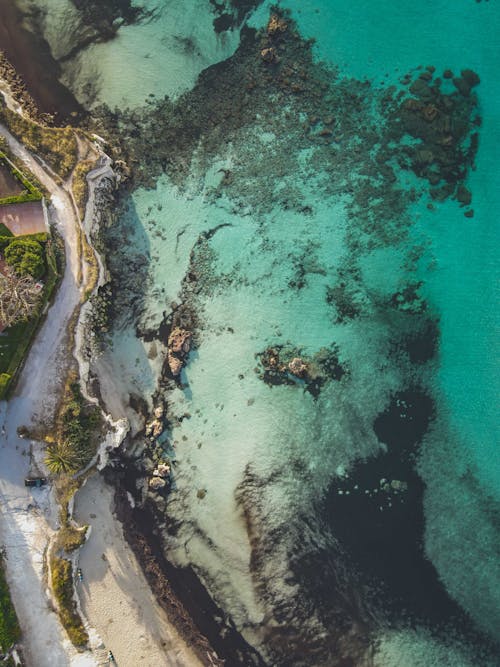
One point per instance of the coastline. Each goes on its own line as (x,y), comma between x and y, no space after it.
(179,601)
(128,463)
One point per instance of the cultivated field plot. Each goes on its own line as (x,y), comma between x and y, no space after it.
(25,218)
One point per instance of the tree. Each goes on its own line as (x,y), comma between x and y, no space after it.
(62,457)
(19,297)
(25,257)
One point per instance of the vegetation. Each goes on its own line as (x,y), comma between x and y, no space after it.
(16,338)
(62,585)
(80,186)
(77,429)
(5,379)
(19,296)
(25,256)
(10,632)
(31,191)
(57,146)
(70,537)
(6,239)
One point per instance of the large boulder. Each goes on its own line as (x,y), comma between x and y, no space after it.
(179,341)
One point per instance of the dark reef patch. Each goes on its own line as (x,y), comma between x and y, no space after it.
(376,512)
(287,365)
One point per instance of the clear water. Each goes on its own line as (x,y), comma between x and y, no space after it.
(271,453)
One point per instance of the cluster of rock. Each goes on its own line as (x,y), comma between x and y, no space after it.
(275,28)
(178,347)
(154,428)
(393,486)
(160,477)
(286,365)
(157,468)
(440,122)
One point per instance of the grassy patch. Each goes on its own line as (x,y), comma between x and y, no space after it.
(56,145)
(10,632)
(62,585)
(80,186)
(69,537)
(77,431)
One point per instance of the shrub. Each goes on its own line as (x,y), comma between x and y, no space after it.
(26,257)
(19,297)
(9,626)
(78,426)
(62,585)
(4,384)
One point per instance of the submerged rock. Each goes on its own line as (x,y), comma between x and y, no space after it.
(179,340)
(464,195)
(269,55)
(157,483)
(276,25)
(179,345)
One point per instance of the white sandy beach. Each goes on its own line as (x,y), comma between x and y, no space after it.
(115,596)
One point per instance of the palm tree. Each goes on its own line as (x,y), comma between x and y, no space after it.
(19,297)
(61,458)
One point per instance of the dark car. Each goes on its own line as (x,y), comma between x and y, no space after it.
(35,481)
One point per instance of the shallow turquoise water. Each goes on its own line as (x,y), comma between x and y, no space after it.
(270,455)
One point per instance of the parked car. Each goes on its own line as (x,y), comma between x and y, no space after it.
(35,481)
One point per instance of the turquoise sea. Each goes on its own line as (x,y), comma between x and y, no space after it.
(287,202)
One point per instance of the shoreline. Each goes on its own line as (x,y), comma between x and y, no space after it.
(32,62)
(188,613)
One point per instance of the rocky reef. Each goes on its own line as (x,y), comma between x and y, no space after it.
(357,140)
(179,345)
(287,365)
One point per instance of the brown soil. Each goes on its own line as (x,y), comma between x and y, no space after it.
(24,218)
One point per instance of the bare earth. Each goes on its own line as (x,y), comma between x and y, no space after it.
(25,218)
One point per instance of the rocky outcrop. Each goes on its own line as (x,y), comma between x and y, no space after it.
(276,25)
(284,365)
(178,345)
(298,367)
